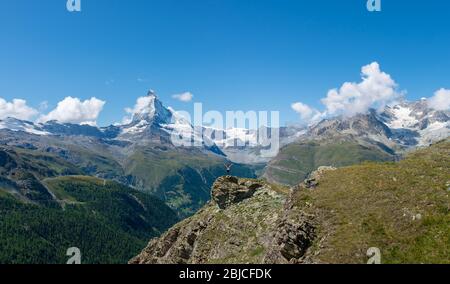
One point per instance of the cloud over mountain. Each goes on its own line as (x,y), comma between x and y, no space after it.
(440,100)
(141,106)
(17,108)
(73,110)
(307,113)
(376,90)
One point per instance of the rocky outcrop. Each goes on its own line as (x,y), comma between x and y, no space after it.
(229,190)
(294,235)
(247,221)
(313,180)
(296,230)
(176,246)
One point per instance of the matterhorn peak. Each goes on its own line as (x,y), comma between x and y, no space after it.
(150,109)
(152,93)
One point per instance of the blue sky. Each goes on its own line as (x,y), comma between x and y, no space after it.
(231,54)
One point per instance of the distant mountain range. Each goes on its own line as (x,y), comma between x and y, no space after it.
(157,124)
(139,154)
(405,125)
(153,123)
(375,135)
(344,141)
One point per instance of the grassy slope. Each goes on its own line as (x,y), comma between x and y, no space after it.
(94,159)
(109,223)
(297,160)
(402,208)
(39,163)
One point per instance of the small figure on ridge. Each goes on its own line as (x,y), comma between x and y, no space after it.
(228,167)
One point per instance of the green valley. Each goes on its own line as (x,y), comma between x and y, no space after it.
(105,220)
(297,160)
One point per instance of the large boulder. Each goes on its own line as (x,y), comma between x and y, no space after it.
(230,190)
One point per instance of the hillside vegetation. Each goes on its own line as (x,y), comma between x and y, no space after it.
(401,208)
(107,221)
(297,160)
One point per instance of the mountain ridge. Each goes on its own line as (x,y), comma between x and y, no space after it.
(400,126)
(146,160)
(375,136)
(334,216)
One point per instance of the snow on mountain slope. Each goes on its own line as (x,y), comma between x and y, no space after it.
(416,123)
(180,128)
(402,117)
(434,132)
(151,117)
(21,125)
(151,120)
(149,111)
(407,124)
(247,146)
(233,137)
(135,128)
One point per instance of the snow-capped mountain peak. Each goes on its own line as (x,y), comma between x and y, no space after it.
(151,110)
(416,120)
(405,125)
(152,120)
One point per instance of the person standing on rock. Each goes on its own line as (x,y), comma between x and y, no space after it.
(228,167)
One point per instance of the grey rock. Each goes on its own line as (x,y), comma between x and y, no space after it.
(242,232)
(229,190)
(313,180)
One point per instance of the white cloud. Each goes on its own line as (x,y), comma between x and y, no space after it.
(307,114)
(184,97)
(376,90)
(440,100)
(73,110)
(17,108)
(141,106)
(125,120)
(305,111)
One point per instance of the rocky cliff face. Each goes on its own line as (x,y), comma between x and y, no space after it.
(247,221)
